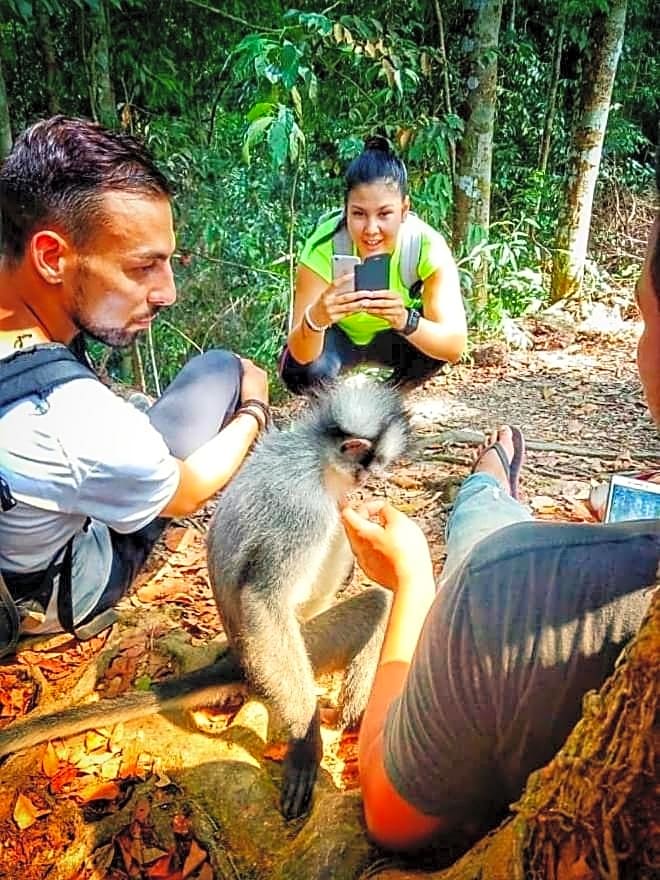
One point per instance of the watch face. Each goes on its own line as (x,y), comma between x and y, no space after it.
(412,322)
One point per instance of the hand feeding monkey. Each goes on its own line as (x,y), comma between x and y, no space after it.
(277,555)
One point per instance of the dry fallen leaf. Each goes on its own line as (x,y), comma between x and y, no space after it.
(98,791)
(26,813)
(206,873)
(50,762)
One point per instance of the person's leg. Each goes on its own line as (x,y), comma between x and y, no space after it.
(483,504)
(339,353)
(197,404)
(410,366)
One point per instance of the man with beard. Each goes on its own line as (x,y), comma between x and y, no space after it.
(88,482)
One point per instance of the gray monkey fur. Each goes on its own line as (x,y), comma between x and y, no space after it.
(277,555)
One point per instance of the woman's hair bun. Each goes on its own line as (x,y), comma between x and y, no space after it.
(378,142)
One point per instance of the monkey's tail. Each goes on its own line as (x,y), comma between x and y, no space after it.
(207,686)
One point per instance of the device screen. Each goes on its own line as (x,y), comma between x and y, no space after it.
(632,499)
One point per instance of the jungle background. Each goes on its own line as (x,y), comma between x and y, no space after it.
(529,133)
(509,116)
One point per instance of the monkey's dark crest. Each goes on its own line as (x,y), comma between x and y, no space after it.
(277,555)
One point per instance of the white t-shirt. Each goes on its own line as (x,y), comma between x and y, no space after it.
(82,452)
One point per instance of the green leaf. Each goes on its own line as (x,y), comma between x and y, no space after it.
(255,134)
(262,108)
(278,136)
(297,101)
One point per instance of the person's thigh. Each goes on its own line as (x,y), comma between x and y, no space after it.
(339,353)
(198,402)
(533,618)
(410,365)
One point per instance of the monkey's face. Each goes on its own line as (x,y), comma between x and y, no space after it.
(364,430)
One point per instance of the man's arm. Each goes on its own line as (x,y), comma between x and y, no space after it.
(392,551)
(206,470)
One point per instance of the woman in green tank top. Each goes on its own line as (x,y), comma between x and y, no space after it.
(413,324)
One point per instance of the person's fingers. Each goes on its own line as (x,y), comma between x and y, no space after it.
(359,525)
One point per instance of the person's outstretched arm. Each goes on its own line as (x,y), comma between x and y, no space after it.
(206,470)
(392,550)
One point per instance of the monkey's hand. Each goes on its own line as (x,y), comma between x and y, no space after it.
(300,770)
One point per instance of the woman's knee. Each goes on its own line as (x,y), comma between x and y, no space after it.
(299,377)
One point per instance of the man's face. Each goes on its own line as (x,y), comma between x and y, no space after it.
(648,349)
(122,275)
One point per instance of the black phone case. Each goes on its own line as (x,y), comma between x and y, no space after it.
(374,273)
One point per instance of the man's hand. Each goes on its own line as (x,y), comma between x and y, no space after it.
(254,385)
(390,548)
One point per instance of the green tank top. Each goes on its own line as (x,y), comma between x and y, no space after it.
(360,327)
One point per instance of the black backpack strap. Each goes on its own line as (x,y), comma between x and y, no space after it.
(9,621)
(38,370)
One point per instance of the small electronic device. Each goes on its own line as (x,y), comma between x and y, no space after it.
(629,498)
(373,273)
(344,264)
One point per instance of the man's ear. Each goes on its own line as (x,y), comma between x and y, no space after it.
(406,207)
(49,252)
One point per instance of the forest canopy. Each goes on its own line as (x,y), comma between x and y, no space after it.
(510,117)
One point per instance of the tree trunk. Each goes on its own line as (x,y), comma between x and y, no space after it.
(590,813)
(475,150)
(551,104)
(44,36)
(5,122)
(445,79)
(101,92)
(598,72)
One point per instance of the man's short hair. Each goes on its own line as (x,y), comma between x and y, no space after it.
(57,173)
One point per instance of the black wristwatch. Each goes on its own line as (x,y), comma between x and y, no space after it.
(412,322)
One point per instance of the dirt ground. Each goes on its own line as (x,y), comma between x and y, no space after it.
(156,798)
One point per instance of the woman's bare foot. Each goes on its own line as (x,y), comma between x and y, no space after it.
(488,461)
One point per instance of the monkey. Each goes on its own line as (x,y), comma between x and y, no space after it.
(277,555)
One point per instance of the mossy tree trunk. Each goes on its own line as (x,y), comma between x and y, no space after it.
(44,36)
(475,150)
(604,43)
(101,91)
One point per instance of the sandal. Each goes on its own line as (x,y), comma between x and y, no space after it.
(511,468)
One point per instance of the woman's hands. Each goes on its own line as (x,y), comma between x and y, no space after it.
(337,301)
(388,305)
(390,548)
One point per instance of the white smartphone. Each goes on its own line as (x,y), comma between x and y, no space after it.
(344,264)
(629,498)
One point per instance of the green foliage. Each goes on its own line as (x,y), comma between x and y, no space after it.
(255,112)
(514,258)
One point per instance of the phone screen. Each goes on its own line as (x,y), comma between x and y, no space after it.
(374,273)
(344,264)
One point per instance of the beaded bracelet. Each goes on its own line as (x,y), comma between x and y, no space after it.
(263,408)
(317,328)
(256,414)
